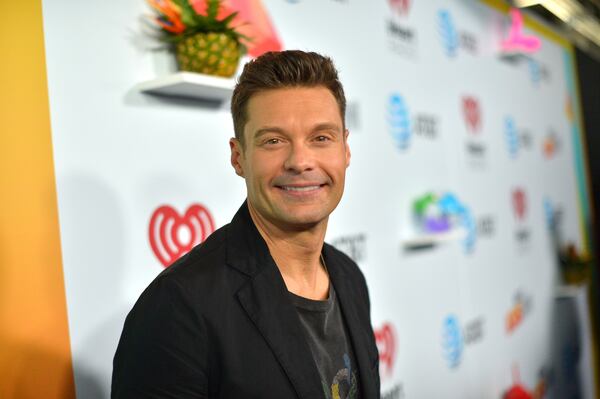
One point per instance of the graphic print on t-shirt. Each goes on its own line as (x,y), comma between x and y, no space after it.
(344,384)
(329,343)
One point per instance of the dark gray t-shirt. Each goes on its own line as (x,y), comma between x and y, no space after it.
(330,345)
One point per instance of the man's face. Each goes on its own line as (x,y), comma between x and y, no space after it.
(295,156)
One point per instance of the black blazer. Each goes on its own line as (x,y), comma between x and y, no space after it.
(219,323)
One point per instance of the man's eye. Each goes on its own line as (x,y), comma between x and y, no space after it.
(322,138)
(272,141)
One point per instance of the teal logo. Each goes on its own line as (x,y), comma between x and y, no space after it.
(512,136)
(452,341)
(399,121)
(448,33)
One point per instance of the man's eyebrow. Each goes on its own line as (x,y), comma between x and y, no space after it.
(327,126)
(267,129)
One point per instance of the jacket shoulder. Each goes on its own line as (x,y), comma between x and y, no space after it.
(203,273)
(210,255)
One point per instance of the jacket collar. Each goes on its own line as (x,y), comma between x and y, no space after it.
(359,333)
(247,251)
(266,301)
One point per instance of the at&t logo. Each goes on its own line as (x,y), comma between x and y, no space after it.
(447,32)
(399,121)
(455,339)
(172,235)
(451,39)
(452,341)
(553,213)
(516,139)
(402,126)
(512,136)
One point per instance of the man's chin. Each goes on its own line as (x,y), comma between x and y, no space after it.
(303,222)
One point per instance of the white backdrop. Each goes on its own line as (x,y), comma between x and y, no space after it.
(440,313)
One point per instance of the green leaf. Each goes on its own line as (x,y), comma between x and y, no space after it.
(227,20)
(212,8)
(188,14)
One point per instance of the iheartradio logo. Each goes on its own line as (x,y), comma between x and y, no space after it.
(385,338)
(472,113)
(172,235)
(519,200)
(401,7)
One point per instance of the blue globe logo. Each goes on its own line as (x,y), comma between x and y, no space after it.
(399,121)
(512,137)
(549,213)
(452,342)
(447,32)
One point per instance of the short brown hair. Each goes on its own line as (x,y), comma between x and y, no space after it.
(282,69)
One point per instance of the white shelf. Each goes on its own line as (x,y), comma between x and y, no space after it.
(428,240)
(190,85)
(569,291)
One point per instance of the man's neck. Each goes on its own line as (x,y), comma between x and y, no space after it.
(297,254)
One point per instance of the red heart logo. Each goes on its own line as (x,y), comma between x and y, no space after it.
(519,203)
(472,113)
(168,229)
(400,6)
(385,338)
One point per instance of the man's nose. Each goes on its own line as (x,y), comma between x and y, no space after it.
(300,158)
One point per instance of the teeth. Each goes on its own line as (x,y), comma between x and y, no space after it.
(306,188)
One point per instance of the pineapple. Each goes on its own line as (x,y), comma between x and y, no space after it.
(209,53)
(204,40)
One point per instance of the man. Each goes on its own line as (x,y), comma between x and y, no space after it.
(263,308)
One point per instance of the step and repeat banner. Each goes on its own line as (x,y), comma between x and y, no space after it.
(464,150)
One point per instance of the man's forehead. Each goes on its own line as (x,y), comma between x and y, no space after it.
(318,92)
(318,100)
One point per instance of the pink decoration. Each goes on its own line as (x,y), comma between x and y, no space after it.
(252,21)
(517,41)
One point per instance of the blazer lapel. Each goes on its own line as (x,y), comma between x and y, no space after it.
(359,329)
(266,301)
(276,318)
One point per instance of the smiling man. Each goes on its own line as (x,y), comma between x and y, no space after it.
(264,308)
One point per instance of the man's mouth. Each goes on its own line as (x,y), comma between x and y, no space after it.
(300,188)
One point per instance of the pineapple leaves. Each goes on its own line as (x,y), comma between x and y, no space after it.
(212,8)
(178,20)
(227,20)
(188,14)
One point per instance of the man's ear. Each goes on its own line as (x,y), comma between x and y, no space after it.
(348,154)
(237,156)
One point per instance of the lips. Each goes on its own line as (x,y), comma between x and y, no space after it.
(300,188)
